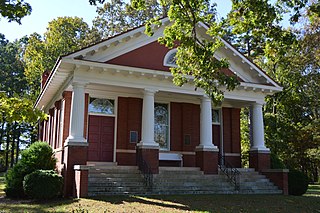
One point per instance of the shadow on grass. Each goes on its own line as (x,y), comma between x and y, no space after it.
(221,203)
(24,205)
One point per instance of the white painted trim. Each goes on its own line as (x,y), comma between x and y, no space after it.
(169,53)
(115,129)
(232,154)
(221,135)
(126,151)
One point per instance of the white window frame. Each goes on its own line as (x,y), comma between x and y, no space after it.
(219,114)
(167,56)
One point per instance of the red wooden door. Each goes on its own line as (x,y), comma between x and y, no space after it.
(101,138)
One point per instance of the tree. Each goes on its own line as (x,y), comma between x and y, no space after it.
(195,56)
(14,10)
(13,87)
(117,16)
(63,35)
(292,116)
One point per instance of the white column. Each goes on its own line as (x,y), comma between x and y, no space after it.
(257,127)
(206,126)
(77,114)
(147,135)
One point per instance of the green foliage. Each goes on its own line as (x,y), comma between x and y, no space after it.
(35,183)
(14,10)
(13,181)
(118,16)
(297,182)
(63,35)
(276,163)
(245,137)
(38,156)
(18,110)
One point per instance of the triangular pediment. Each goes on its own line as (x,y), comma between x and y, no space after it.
(135,49)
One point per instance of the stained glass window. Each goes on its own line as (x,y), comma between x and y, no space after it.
(216,116)
(101,106)
(161,127)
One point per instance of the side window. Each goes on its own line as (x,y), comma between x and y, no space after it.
(101,106)
(216,116)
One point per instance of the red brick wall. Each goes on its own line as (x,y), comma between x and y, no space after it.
(128,159)
(216,135)
(67,95)
(129,119)
(149,56)
(231,130)
(185,120)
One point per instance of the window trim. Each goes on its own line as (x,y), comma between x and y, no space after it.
(102,114)
(219,114)
(167,56)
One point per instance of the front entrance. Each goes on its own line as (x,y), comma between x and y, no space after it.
(101,138)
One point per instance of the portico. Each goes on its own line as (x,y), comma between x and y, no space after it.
(115,102)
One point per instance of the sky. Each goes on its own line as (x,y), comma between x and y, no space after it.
(44,11)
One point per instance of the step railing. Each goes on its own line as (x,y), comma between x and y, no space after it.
(146,172)
(231,172)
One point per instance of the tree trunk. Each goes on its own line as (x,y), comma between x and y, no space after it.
(2,131)
(18,144)
(7,146)
(14,136)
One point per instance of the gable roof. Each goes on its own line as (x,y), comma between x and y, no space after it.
(111,50)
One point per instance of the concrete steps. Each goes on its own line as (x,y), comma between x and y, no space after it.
(115,180)
(111,179)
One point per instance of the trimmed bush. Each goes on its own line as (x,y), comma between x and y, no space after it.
(43,184)
(276,163)
(298,182)
(38,156)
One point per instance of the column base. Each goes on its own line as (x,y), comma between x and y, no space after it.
(207,160)
(259,159)
(73,155)
(81,181)
(150,155)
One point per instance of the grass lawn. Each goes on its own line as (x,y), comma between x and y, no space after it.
(182,203)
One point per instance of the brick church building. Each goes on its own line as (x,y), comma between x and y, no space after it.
(114,102)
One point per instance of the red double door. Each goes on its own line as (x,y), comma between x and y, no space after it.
(100,138)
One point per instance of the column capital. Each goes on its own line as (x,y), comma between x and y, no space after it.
(79,84)
(258,104)
(150,91)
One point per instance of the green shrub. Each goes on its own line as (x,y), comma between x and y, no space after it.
(297,182)
(276,163)
(43,184)
(38,156)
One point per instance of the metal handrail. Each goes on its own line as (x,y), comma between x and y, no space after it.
(231,172)
(146,172)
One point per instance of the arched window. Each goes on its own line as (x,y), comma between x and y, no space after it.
(101,106)
(170,58)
